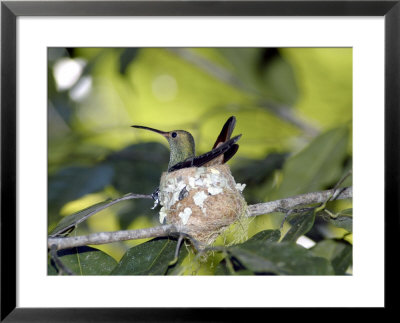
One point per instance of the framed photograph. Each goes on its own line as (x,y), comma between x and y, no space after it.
(153,150)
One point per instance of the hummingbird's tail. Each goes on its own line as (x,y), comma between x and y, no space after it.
(223,137)
(226,131)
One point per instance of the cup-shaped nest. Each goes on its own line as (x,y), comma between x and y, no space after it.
(202,200)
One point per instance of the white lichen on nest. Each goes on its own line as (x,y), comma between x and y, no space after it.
(240,187)
(199,198)
(185,215)
(205,200)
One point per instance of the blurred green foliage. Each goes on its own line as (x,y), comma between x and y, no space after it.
(293,108)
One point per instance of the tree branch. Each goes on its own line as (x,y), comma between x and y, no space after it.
(298,200)
(58,243)
(109,237)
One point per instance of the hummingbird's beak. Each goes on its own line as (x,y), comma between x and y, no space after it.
(163,133)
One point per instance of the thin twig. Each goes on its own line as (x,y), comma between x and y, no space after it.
(178,246)
(109,237)
(169,229)
(60,265)
(337,192)
(298,200)
(285,217)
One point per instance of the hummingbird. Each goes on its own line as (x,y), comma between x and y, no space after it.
(182,147)
(182,150)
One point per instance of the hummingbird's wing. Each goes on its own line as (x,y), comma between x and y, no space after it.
(212,154)
(226,131)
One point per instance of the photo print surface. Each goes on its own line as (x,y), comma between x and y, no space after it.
(200,161)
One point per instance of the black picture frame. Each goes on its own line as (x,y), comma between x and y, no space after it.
(11,10)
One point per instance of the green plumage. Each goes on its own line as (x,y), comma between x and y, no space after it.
(182,147)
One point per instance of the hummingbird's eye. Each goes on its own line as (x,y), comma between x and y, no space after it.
(174,134)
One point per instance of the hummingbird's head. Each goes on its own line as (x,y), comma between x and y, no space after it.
(181,144)
(181,140)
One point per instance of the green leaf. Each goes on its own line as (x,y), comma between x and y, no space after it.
(262,71)
(316,166)
(256,173)
(84,261)
(324,78)
(149,258)
(71,183)
(300,224)
(51,269)
(339,252)
(325,248)
(221,269)
(230,266)
(244,65)
(68,223)
(176,268)
(279,258)
(343,260)
(278,77)
(343,219)
(266,235)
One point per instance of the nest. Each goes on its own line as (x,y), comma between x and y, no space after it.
(202,200)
